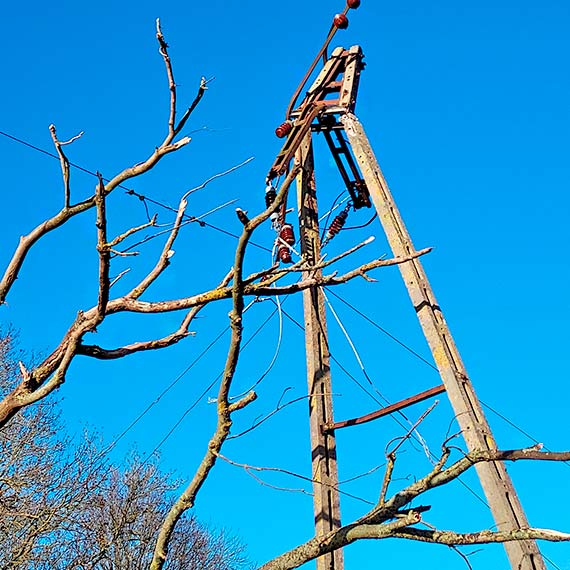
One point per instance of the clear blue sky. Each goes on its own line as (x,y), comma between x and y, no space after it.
(467,107)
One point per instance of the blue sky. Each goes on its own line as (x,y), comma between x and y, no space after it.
(467,108)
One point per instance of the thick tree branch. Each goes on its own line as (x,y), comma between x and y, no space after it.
(181,333)
(224,408)
(451,538)
(88,321)
(336,539)
(375,524)
(103,250)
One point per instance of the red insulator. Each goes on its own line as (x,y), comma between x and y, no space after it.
(284,254)
(353,4)
(340,21)
(287,234)
(337,225)
(283,129)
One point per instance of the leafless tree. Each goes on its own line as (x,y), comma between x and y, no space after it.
(108,520)
(63,505)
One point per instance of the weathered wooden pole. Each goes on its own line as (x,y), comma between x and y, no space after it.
(497,485)
(324,462)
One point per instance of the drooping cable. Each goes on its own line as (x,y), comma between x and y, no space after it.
(419,437)
(209,387)
(361,225)
(433,457)
(275,354)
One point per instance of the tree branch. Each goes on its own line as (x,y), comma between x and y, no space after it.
(64,162)
(181,333)
(163,49)
(375,525)
(103,250)
(224,408)
(451,538)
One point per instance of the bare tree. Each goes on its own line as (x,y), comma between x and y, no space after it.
(109,521)
(63,505)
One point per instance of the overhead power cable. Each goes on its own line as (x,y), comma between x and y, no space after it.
(421,358)
(129,191)
(383,330)
(209,387)
(461,482)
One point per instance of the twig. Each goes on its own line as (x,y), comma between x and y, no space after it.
(391,457)
(218,175)
(163,49)
(122,237)
(164,259)
(412,429)
(258,422)
(64,161)
(250,469)
(116,279)
(201,90)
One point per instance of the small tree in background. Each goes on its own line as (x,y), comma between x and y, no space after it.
(64,505)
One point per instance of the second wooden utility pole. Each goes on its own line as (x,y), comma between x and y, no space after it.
(323,445)
(497,485)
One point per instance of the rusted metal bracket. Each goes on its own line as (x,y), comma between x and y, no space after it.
(387,410)
(345,162)
(332,93)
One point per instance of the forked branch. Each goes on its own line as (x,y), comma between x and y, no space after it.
(390,519)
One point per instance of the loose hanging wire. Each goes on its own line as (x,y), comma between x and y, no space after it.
(433,458)
(209,387)
(275,354)
(420,438)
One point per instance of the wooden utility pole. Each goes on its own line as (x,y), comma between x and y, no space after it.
(497,485)
(323,446)
(328,108)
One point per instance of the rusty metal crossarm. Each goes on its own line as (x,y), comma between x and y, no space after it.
(316,104)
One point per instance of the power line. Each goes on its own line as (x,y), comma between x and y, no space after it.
(421,358)
(167,389)
(129,191)
(461,482)
(209,387)
(47,153)
(383,330)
